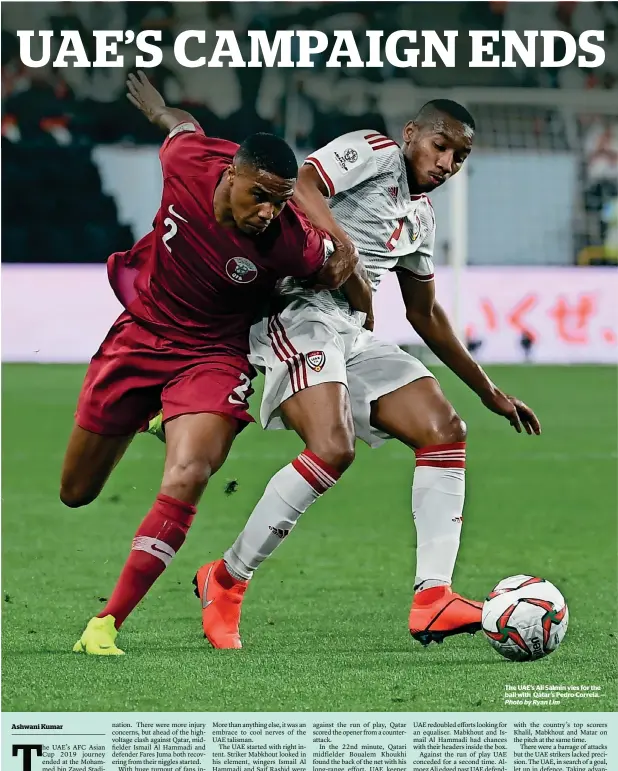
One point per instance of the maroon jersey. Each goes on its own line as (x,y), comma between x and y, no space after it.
(191,280)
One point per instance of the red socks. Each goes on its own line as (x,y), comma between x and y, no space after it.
(156,542)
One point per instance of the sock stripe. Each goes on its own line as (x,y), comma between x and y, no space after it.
(318,470)
(440,463)
(155,547)
(317,481)
(309,477)
(442,455)
(454,446)
(441,460)
(326,468)
(313,469)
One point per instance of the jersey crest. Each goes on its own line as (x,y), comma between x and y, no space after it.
(241,270)
(316,360)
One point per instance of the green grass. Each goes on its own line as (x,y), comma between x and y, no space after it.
(324,624)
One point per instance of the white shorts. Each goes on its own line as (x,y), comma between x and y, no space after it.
(303,346)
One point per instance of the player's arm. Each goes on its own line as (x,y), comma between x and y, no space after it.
(321,266)
(359,293)
(310,194)
(143,95)
(431,323)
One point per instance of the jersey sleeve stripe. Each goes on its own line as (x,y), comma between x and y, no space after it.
(321,171)
(381,146)
(377,139)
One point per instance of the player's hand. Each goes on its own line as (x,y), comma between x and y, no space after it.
(369,322)
(515,411)
(143,95)
(339,266)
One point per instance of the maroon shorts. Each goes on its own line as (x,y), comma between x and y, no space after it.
(135,373)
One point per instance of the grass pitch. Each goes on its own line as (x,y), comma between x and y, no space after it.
(325,620)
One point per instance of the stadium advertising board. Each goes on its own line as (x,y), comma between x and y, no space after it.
(568,313)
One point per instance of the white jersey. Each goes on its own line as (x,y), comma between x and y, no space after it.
(365,174)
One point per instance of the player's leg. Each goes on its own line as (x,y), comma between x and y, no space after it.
(322,417)
(196,447)
(120,392)
(314,402)
(394,395)
(419,415)
(111,402)
(89,460)
(201,426)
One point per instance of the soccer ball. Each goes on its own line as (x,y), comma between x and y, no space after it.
(525,618)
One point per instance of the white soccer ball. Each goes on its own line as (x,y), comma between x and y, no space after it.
(525,618)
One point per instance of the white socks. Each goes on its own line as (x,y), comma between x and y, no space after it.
(288,494)
(438,494)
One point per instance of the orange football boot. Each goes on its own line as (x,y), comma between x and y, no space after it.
(221,597)
(438,612)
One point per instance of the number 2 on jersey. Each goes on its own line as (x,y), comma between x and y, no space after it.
(173,227)
(392,241)
(239,394)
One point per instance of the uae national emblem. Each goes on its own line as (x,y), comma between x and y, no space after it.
(316,360)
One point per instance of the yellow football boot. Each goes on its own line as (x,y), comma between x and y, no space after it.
(99,638)
(155,427)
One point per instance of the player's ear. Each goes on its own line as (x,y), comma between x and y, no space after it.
(409,131)
(231,174)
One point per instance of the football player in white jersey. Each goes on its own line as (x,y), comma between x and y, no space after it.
(331,380)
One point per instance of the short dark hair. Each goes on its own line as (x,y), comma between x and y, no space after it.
(270,153)
(431,110)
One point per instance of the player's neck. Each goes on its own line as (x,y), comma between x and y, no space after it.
(412,186)
(221,205)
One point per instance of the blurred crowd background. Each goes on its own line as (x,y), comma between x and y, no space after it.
(52,119)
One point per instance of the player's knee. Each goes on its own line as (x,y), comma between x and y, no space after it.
(336,449)
(74,495)
(451,430)
(458,429)
(186,479)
